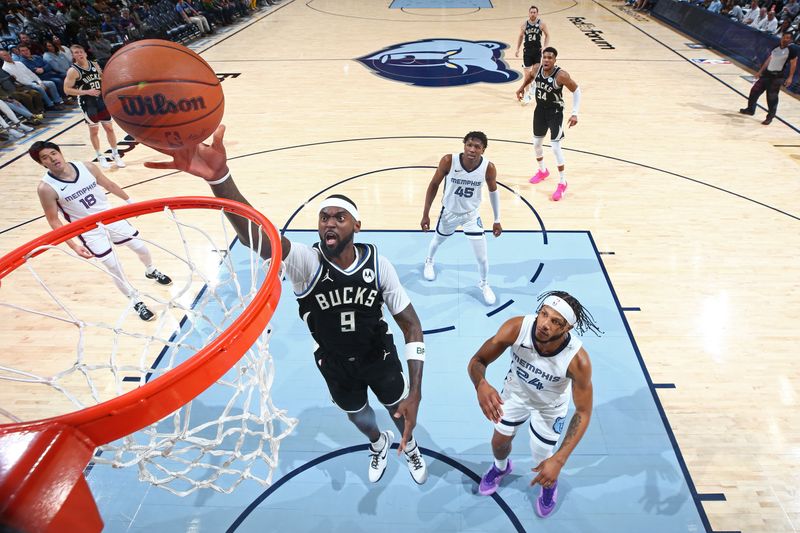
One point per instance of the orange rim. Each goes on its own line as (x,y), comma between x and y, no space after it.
(125,414)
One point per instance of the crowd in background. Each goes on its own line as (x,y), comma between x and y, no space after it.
(35,36)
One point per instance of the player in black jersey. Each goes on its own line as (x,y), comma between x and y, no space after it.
(530,33)
(549,114)
(84,80)
(341,287)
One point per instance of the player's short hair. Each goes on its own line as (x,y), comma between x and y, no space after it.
(76,45)
(477,135)
(533,7)
(38,146)
(551,50)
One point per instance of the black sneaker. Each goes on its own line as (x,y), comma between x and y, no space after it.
(144,313)
(747,111)
(162,279)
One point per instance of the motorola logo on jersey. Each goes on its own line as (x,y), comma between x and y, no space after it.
(442,63)
(368,275)
(158,104)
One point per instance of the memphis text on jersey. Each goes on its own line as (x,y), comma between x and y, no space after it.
(158,104)
(531,375)
(346,296)
(591,31)
(78,194)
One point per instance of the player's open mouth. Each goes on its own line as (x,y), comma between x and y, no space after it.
(331,238)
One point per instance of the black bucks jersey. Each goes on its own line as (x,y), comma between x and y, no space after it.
(343,308)
(533,35)
(548,91)
(89,78)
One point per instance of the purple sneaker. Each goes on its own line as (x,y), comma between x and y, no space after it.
(491,479)
(546,502)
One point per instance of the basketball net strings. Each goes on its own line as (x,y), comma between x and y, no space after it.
(236,433)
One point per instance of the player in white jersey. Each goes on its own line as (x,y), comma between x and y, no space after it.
(463,176)
(548,364)
(74,189)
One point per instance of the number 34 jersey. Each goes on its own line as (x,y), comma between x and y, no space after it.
(80,198)
(462,189)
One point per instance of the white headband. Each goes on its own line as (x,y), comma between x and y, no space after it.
(344,204)
(562,307)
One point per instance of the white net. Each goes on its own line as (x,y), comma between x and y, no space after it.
(79,344)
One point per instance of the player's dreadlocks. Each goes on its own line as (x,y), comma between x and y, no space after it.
(584,321)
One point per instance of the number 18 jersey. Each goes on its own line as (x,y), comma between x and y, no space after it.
(462,189)
(80,198)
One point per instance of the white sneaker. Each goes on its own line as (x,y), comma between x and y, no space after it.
(103,161)
(416,465)
(378,458)
(427,271)
(118,161)
(15,134)
(488,293)
(23,127)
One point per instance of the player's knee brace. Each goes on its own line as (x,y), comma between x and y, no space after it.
(539,450)
(556,146)
(537,146)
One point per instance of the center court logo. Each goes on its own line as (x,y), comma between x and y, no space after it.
(442,63)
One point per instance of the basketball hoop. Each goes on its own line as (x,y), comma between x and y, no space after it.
(42,487)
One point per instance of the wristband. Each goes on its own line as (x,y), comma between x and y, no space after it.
(415,351)
(221,180)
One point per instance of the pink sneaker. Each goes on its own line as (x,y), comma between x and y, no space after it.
(539,176)
(560,190)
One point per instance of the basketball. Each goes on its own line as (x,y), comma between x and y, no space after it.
(163,94)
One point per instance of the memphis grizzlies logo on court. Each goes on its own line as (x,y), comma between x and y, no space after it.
(442,63)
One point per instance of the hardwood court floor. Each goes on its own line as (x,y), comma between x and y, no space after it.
(696,206)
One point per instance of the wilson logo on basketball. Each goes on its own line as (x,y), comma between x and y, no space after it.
(158,104)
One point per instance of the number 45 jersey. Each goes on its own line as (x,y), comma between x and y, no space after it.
(462,189)
(538,380)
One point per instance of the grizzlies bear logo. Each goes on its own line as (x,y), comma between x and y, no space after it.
(442,63)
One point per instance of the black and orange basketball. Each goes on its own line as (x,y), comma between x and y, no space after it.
(163,94)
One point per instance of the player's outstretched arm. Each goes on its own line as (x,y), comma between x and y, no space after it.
(580,371)
(433,187)
(488,398)
(411,327)
(210,162)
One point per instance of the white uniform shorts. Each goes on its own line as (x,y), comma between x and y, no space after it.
(546,424)
(97,240)
(470,222)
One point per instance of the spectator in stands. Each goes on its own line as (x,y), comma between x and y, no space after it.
(109,29)
(14,123)
(29,98)
(41,68)
(770,24)
(23,75)
(55,22)
(715,6)
(128,25)
(57,60)
(739,13)
(756,18)
(790,10)
(62,50)
(211,10)
(771,76)
(100,47)
(13,25)
(35,47)
(191,16)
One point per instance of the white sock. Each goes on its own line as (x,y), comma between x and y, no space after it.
(541,165)
(411,445)
(561,178)
(378,444)
(114,152)
(501,464)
